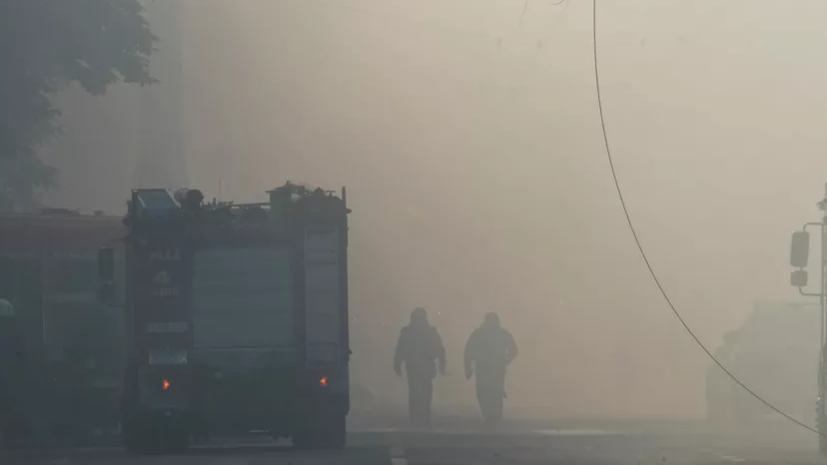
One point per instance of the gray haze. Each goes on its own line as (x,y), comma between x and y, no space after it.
(467,133)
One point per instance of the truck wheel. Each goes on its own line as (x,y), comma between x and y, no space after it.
(137,440)
(175,442)
(332,435)
(155,436)
(14,435)
(338,433)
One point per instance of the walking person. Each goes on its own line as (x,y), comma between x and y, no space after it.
(419,348)
(489,351)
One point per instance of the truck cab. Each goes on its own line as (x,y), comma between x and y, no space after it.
(236,317)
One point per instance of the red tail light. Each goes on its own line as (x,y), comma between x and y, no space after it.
(165,385)
(323,381)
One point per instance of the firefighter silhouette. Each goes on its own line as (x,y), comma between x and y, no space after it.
(12,374)
(419,348)
(489,351)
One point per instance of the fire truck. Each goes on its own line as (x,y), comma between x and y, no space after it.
(236,317)
(67,350)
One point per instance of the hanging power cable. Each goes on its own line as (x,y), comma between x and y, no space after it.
(643,252)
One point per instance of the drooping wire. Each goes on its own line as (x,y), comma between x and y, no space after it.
(643,252)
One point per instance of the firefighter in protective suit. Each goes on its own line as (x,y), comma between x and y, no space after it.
(419,347)
(12,375)
(489,351)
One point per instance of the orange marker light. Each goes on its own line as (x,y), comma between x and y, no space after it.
(323,381)
(165,384)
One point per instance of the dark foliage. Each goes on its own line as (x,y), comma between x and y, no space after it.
(46,45)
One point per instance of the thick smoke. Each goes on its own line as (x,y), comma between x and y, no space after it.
(467,134)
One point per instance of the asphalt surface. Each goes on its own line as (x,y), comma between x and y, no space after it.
(636,444)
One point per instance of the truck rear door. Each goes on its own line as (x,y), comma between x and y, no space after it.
(323,297)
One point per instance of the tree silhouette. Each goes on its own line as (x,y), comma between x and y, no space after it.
(45,45)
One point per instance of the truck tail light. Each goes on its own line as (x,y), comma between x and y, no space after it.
(165,384)
(323,381)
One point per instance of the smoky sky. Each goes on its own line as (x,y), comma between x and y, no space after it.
(468,136)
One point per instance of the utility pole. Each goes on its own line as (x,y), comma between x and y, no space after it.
(161,138)
(799,257)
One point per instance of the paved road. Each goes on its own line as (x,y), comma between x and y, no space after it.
(455,446)
(636,446)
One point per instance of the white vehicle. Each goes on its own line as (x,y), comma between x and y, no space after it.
(775,353)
